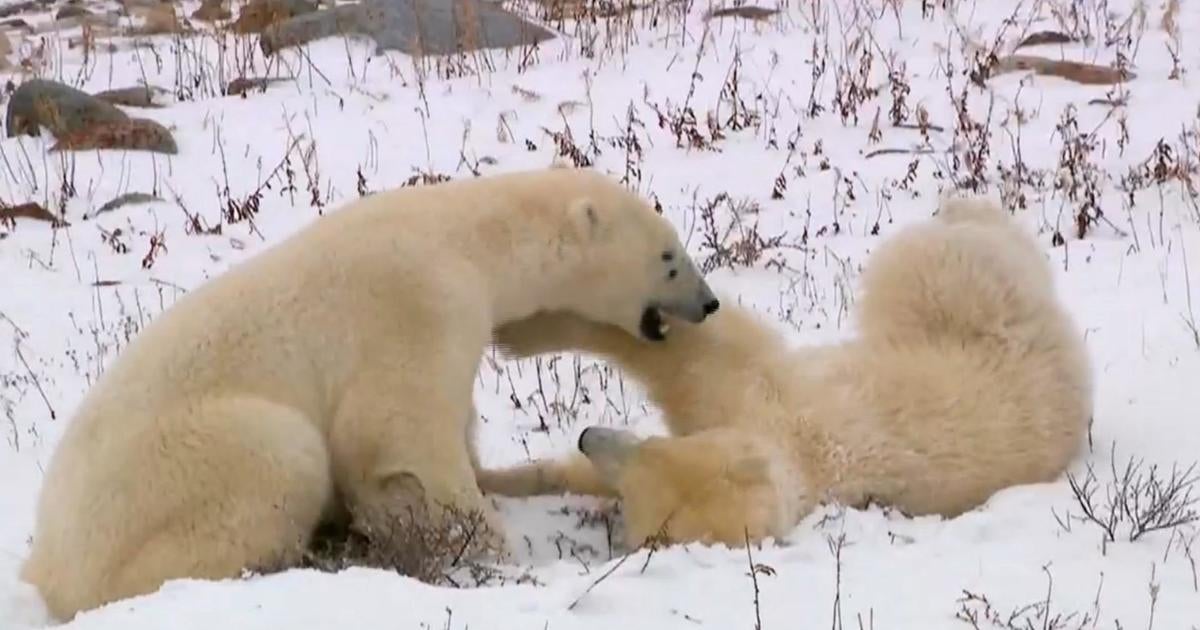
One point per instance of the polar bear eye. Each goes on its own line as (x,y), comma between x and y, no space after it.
(668,256)
(672,273)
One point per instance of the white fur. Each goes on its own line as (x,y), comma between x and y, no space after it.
(968,377)
(334,370)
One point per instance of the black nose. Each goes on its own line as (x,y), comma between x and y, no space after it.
(711,307)
(579,444)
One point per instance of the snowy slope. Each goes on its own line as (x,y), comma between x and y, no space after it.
(785,94)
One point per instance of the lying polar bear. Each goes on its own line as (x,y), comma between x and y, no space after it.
(335,369)
(967,377)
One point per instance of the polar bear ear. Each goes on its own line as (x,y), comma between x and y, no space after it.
(749,470)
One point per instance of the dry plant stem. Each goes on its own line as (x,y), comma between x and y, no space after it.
(37,383)
(651,545)
(755,569)
(836,545)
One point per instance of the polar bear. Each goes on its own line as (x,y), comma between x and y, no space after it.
(967,376)
(335,369)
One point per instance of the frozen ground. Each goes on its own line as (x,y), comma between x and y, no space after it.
(802,98)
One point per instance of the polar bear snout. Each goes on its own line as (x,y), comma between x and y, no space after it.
(602,442)
(607,448)
(695,309)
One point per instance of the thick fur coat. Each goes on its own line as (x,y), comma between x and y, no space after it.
(334,372)
(967,377)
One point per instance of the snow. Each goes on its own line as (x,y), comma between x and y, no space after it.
(1133,282)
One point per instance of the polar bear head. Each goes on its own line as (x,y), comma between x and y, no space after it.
(714,487)
(629,267)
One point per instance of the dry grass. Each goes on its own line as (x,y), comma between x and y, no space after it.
(1084,73)
(450,548)
(136,134)
(30,210)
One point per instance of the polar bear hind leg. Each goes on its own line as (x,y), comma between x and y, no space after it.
(972,273)
(242,488)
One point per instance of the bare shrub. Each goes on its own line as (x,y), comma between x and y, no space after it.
(739,241)
(447,549)
(1136,500)
(978,611)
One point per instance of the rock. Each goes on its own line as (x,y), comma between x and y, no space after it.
(300,30)
(1079,72)
(126,199)
(212,11)
(30,210)
(259,14)
(5,50)
(72,11)
(747,12)
(557,10)
(102,21)
(1045,37)
(135,4)
(58,107)
(17,7)
(442,27)
(129,97)
(132,134)
(157,20)
(241,85)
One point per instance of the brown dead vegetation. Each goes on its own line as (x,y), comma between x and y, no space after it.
(557,10)
(212,11)
(1076,71)
(257,15)
(445,550)
(5,50)
(746,11)
(1042,38)
(135,134)
(31,210)
(160,19)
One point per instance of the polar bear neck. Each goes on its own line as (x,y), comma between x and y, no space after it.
(524,249)
(702,376)
(525,260)
(512,244)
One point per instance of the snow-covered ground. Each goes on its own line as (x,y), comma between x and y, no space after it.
(799,102)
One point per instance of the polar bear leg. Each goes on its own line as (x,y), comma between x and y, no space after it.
(399,443)
(971,274)
(250,499)
(571,474)
(971,209)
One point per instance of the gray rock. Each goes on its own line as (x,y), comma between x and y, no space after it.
(123,200)
(415,27)
(71,11)
(242,85)
(130,97)
(257,15)
(17,7)
(58,107)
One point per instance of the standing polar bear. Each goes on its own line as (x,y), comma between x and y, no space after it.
(967,377)
(335,369)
